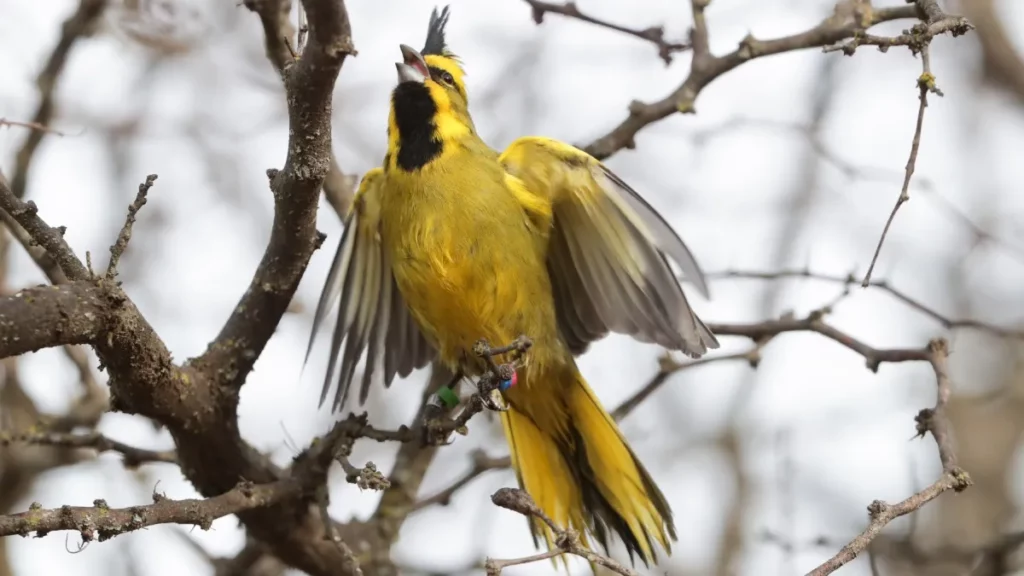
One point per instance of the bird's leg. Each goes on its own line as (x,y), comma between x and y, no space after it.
(438,406)
(499,378)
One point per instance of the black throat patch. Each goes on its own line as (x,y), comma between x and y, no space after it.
(417,133)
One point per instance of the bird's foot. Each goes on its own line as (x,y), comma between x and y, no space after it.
(492,383)
(500,377)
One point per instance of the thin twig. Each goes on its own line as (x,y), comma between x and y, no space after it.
(481,464)
(4,122)
(125,236)
(323,500)
(77,26)
(93,440)
(882,514)
(858,172)
(706,67)
(338,187)
(566,540)
(100,522)
(669,367)
(51,239)
(935,421)
(885,286)
(916,38)
(925,84)
(654,34)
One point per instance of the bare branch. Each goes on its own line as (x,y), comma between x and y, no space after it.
(925,84)
(567,540)
(310,86)
(707,67)
(670,367)
(126,231)
(917,38)
(935,421)
(882,514)
(338,187)
(4,122)
(277,29)
(884,285)
(854,171)
(47,316)
(481,463)
(199,412)
(100,522)
(654,34)
(814,322)
(78,25)
(51,239)
(412,461)
(133,456)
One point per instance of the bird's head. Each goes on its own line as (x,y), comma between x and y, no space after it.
(431,94)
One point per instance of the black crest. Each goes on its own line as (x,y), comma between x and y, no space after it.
(435,43)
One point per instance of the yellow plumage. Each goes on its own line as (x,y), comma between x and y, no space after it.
(450,242)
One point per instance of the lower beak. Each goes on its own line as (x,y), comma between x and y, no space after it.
(407,73)
(414,67)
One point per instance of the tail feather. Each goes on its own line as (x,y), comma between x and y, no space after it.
(544,473)
(580,470)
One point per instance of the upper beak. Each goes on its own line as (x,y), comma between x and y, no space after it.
(414,67)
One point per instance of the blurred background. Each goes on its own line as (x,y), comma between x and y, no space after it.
(792,162)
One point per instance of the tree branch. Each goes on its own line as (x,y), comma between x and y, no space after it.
(654,34)
(126,231)
(885,286)
(7,123)
(133,456)
(935,421)
(198,410)
(78,25)
(278,31)
(670,367)
(814,322)
(100,522)
(275,16)
(310,87)
(51,239)
(47,316)
(925,84)
(481,463)
(567,540)
(706,67)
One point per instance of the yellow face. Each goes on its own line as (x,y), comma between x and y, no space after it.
(429,106)
(446,85)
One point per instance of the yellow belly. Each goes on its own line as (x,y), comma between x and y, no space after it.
(469,267)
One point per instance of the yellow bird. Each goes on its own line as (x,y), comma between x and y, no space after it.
(450,242)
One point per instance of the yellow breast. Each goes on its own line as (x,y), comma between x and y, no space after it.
(467,257)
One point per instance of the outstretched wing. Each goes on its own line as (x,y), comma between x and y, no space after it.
(371,310)
(607,253)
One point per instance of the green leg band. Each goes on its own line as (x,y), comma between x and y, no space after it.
(447,396)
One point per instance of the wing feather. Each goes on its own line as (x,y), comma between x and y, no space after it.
(372,316)
(608,252)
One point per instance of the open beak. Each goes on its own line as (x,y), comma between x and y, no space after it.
(414,67)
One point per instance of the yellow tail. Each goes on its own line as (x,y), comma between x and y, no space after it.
(571,458)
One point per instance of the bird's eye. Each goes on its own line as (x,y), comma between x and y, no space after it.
(447,78)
